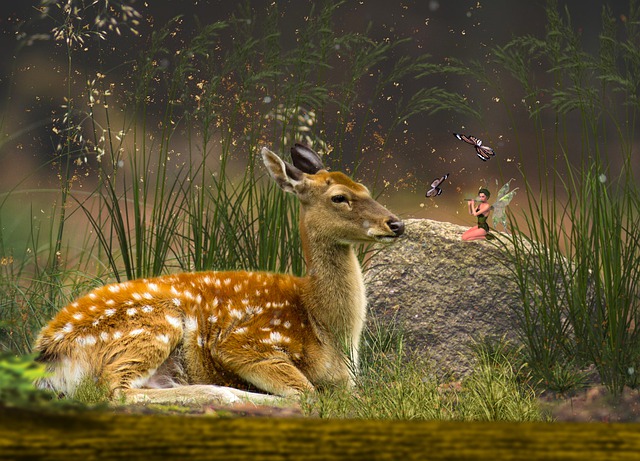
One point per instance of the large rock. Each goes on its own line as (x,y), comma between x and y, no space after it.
(443,293)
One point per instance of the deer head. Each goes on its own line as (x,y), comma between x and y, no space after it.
(339,207)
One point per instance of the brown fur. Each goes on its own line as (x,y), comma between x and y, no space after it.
(272,332)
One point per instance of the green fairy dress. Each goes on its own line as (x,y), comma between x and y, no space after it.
(483,224)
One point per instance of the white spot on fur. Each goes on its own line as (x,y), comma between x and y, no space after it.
(276,337)
(146,309)
(68,328)
(104,336)
(58,336)
(153,287)
(132,311)
(86,340)
(227,282)
(174,291)
(237,288)
(136,296)
(117,335)
(147,296)
(95,322)
(191,324)
(92,296)
(199,341)
(114,288)
(254,310)
(218,283)
(92,308)
(78,316)
(242,330)
(109,302)
(109,312)
(275,322)
(75,304)
(136,332)
(173,321)
(176,302)
(163,338)
(213,318)
(236,313)
(287,324)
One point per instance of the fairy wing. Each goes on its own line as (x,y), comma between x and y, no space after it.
(504,189)
(499,207)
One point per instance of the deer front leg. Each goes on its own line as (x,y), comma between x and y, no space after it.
(271,372)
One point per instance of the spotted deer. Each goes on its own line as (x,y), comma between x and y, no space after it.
(247,330)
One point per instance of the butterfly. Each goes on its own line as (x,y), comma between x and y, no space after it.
(483,152)
(501,203)
(435,186)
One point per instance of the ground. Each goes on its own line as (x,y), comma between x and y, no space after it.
(593,404)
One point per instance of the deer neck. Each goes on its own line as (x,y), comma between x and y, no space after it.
(335,294)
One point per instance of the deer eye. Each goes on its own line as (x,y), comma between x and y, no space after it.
(338,199)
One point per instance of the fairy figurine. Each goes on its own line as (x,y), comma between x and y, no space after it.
(481,211)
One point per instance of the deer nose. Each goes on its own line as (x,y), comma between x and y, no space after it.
(396,226)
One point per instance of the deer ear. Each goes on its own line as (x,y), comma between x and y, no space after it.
(305,159)
(286,176)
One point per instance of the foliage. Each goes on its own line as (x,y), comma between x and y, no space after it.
(393,386)
(499,387)
(16,381)
(90,392)
(576,246)
(576,254)
(170,150)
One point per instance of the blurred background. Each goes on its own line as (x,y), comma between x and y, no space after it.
(36,81)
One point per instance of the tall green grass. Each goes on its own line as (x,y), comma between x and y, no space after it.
(391,385)
(174,181)
(575,248)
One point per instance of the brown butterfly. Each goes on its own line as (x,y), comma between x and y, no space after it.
(435,186)
(483,152)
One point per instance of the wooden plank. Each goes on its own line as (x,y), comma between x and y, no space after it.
(103,435)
